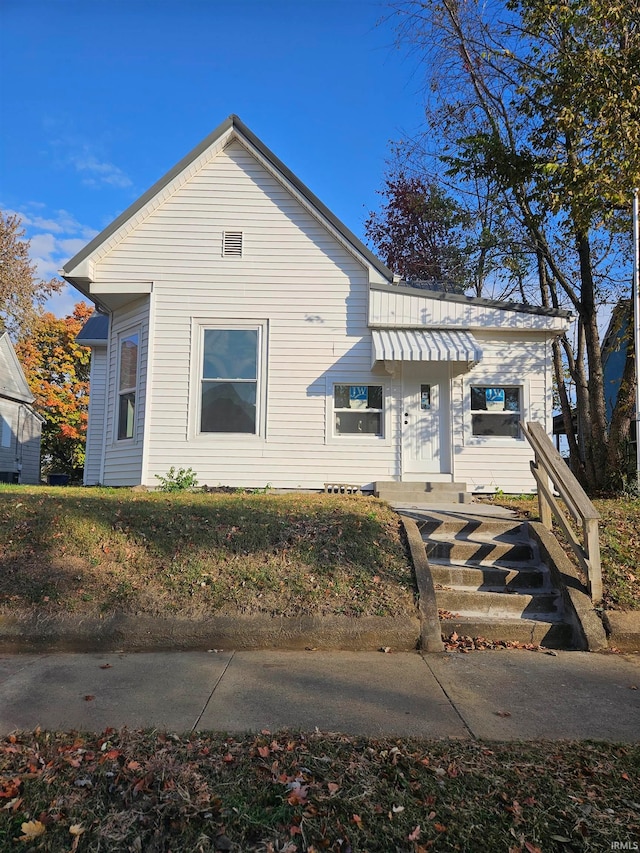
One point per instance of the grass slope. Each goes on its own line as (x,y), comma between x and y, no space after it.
(619,546)
(98,550)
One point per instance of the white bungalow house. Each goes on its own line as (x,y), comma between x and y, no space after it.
(20,424)
(246,333)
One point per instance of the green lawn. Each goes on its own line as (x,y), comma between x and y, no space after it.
(289,792)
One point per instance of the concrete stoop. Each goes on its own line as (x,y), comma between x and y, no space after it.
(490,582)
(420,493)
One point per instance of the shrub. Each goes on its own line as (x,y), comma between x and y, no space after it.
(182,480)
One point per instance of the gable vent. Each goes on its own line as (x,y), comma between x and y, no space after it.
(232,244)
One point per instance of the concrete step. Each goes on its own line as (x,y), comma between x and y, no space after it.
(464,526)
(553,635)
(421,493)
(483,553)
(489,577)
(528,605)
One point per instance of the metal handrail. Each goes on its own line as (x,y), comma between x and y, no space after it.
(547,466)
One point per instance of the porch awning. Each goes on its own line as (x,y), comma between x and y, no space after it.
(425,345)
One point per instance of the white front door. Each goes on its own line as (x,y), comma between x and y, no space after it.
(425,419)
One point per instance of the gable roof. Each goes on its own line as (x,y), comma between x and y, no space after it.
(13,384)
(231,128)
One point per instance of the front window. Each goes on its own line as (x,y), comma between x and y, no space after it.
(358,409)
(229,391)
(496,410)
(127,386)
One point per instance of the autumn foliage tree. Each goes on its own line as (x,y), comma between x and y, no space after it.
(542,100)
(418,232)
(22,292)
(57,370)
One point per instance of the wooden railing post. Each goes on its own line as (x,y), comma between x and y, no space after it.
(592,541)
(548,468)
(544,507)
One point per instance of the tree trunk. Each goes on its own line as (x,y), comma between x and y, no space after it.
(593,402)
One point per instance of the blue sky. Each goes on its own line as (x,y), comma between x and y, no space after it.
(99,98)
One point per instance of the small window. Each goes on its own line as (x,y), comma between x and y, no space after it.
(127,386)
(229,393)
(358,409)
(496,410)
(232,244)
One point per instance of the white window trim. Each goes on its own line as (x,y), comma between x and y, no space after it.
(123,334)
(493,380)
(344,439)
(198,327)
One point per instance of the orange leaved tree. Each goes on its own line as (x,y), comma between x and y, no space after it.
(57,370)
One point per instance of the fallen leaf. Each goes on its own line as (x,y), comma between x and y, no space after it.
(105,666)
(32,829)
(531,848)
(415,835)
(89,698)
(264,751)
(357,820)
(503,713)
(298,794)
(76,829)
(439,827)
(385,649)
(333,787)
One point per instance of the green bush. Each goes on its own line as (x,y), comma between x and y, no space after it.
(182,480)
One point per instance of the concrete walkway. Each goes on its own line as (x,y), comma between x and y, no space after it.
(502,695)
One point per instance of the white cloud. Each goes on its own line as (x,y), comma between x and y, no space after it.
(72,246)
(54,237)
(97,172)
(62,303)
(42,245)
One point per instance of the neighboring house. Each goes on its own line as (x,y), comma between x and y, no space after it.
(20,425)
(614,352)
(614,349)
(248,334)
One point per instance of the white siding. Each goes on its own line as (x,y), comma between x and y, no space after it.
(23,430)
(123,459)
(396,307)
(97,408)
(8,420)
(30,434)
(310,295)
(491,464)
(294,276)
